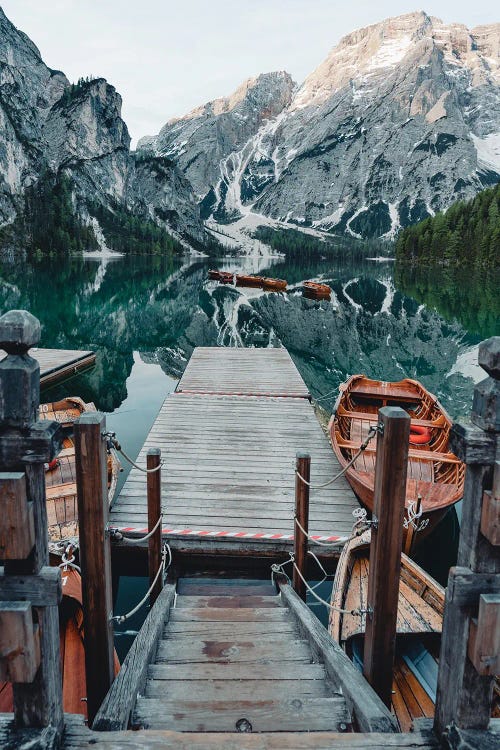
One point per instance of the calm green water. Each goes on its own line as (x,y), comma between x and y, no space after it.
(144,316)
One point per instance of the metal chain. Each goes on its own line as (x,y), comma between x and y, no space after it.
(120,537)
(371,434)
(123,618)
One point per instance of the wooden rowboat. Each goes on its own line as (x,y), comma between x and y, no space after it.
(418,629)
(60,474)
(224,277)
(435,475)
(66,411)
(252,281)
(277,285)
(314,290)
(71,641)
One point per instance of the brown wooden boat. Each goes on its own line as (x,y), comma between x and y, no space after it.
(252,281)
(71,641)
(435,475)
(418,629)
(224,277)
(60,474)
(66,411)
(313,290)
(276,285)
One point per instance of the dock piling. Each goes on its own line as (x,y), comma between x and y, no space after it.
(302,471)
(153,464)
(385,549)
(95,556)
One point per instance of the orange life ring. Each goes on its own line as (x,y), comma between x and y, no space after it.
(419,435)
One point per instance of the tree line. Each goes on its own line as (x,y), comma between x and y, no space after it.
(467,234)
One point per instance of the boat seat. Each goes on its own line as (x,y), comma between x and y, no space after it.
(434,456)
(439,423)
(385,393)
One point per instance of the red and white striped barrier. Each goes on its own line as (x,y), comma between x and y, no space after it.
(229,534)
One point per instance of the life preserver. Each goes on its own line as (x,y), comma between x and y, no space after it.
(419,435)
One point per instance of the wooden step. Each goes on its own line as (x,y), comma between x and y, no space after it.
(228,602)
(292,671)
(199,586)
(223,629)
(261,650)
(227,690)
(299,714)
(229,614)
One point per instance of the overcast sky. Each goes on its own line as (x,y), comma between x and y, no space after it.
(166,57)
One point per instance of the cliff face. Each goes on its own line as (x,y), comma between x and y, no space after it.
(400,120)
(48,126)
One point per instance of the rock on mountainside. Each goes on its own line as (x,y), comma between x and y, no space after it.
(49,127)
(400,120)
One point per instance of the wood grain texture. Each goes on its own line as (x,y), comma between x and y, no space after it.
(368,710)
(229,466)
(115,711)
(95,556)
(263,715)
(56,364)
(385,550)
(242,371)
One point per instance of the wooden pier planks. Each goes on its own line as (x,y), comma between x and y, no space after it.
(56,364)
(228,468)
(251,372)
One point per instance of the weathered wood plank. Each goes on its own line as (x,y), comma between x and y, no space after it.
(299,714)
(232,651)
(224,629)
(228,602)
(368,710)
(41,589)
(115,711)
(239,370)
(229,614)
(79,737)
(56,364)
(245,690)
(292,671)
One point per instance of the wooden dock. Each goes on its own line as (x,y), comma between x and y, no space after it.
(57,364)
(228,438)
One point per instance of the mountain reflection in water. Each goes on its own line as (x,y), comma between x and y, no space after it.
(425,327)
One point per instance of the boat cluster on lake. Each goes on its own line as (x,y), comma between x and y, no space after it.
(310,289)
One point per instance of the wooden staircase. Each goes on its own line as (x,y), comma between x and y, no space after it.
(231,659)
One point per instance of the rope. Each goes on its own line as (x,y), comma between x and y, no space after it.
(355,612)
(119,536)
(371,433)
(326,395)
(358,527)
(68,562)
(123,618)
(113,443)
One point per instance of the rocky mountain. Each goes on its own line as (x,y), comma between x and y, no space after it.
(400,120)
(50,128)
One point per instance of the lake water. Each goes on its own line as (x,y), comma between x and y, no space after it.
(144,315)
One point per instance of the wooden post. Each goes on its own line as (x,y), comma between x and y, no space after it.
(153,461)
(385,549)
(25,445)
(302,467)
(464,694)
(95,556)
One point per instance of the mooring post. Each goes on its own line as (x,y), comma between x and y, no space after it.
(153,463)
(469,656)
(30,629)
(385,549)
(95,556)
(302,470)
